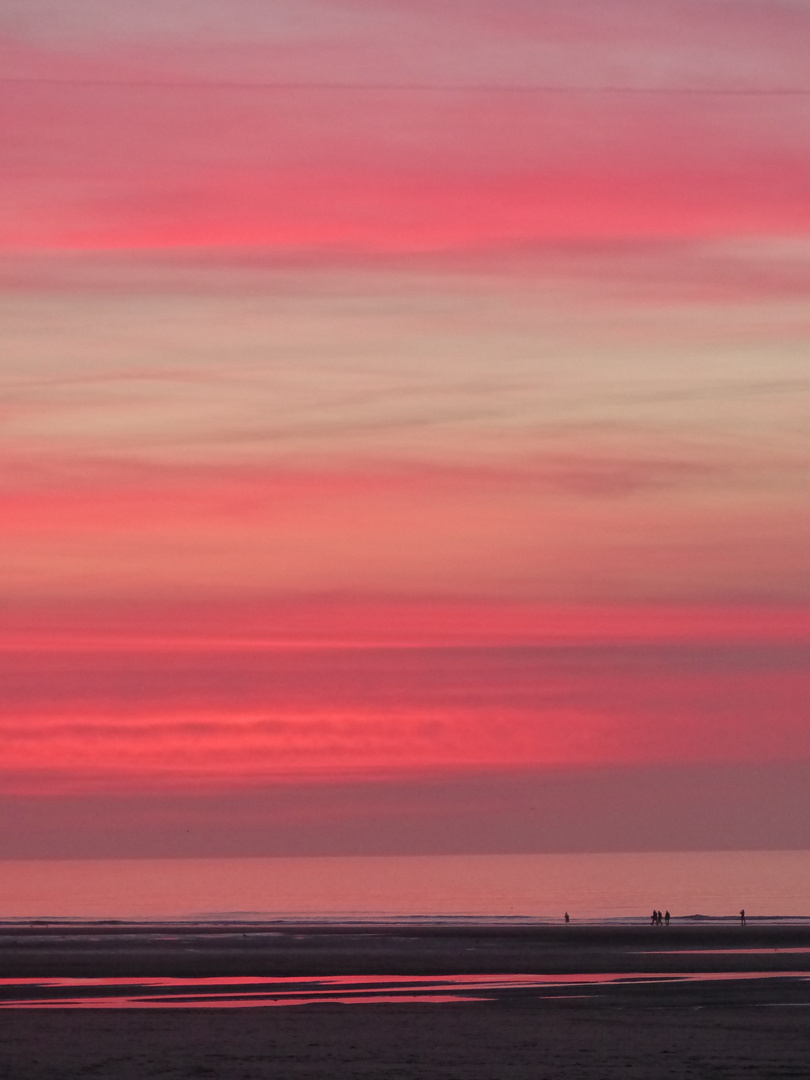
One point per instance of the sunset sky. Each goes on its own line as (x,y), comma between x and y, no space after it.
(404,415)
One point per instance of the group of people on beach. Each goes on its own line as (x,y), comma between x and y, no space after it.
(657,919)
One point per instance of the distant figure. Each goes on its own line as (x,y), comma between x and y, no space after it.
(666,917)
(660,918)
(567,917)
(654,919)
(742,916)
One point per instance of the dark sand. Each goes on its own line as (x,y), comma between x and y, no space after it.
(720,1028)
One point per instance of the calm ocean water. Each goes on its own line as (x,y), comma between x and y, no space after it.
(492,887)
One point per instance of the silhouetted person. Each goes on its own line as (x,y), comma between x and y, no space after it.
(742,916)
(654,919)
(567,917)
(660,918)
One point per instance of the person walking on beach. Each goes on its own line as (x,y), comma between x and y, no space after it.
(567,917)
(742,916)
(654,919)
(666,918)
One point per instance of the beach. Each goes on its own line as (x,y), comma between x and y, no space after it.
(473,1001)
(459,1041)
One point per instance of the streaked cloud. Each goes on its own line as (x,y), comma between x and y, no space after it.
(116,721)
(399,391)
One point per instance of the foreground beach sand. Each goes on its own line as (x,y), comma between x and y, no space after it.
(634,1026)
(466,1041)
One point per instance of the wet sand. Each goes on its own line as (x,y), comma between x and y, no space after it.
(637,1025)
(96,950)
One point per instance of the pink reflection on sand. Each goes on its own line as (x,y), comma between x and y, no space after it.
(254,991)
(720,952)
(234,1002)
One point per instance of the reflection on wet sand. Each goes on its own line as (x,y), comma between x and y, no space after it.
(241,992)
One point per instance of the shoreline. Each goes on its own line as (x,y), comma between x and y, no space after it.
(372,922)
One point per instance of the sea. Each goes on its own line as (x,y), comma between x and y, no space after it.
(621,887)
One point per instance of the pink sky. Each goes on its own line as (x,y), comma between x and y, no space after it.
(402,394)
